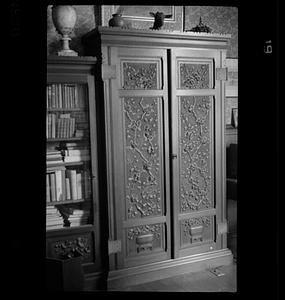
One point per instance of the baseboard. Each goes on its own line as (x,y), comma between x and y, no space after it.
(173,267)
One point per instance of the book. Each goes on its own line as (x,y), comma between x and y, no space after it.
(64,96)
(63,175)
(56,96)
(49,125)
(65,125)
(53,218)
(53,125)
(52,186)
(72,127)
(47,189)
(86,183)
(68,159)
(78,152)
(53,99)
(79,217)
(67,188)
(60,95)
(47,99)
(53,157)
(68,96)
(79,185)
(76,96)
(71,174)
(58,128)
(49,96)
(58,184)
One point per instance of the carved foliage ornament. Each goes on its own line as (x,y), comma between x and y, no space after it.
(142,157)
(194,76)
(193,228)
(155,229)
(140,76)
(195,168)
(205,221)
(80,246)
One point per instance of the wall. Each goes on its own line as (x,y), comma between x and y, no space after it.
(219,19)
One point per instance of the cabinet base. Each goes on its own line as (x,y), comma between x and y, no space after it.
(160,270)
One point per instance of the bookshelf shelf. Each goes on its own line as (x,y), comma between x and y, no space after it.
(51,109)
(52,166)
(72,139)
(66,230)
(54,203)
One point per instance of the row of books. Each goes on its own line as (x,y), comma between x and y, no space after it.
(79,217)
(67,184)
(77,155)
(65,95)
(54,218)
(62,126)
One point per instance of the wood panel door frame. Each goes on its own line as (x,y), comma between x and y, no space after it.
(215,90)
(115,56)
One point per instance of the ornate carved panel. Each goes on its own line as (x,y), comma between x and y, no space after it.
(195,151)
(142,156)
(194,76)
(73,246)
(196,230)
(144,239)
(142,75)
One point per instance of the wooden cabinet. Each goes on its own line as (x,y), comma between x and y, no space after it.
(163,96)
(72,219)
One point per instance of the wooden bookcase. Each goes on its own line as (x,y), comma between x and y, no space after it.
(72,202)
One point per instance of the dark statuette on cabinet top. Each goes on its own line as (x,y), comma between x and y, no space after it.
(158,19)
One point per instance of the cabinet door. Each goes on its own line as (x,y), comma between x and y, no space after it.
(197,150)
(138,131)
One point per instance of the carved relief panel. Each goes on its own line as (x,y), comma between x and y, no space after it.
(196,230)
(140,74)
(71,247)
(140,102)
(195,144)
(145,239)
(194,75)
(142,150)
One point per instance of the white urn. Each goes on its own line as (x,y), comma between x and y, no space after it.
(64,19)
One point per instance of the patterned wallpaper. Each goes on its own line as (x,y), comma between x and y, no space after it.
(220,19)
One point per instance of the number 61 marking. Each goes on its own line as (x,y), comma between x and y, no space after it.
(268,48)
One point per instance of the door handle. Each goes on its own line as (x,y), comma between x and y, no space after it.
(174,156)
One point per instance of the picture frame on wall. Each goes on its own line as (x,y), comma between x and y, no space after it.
(138,17)
(235,117)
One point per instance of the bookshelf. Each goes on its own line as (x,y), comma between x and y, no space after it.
(72,189)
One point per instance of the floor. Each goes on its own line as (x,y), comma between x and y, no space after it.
(204,281)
